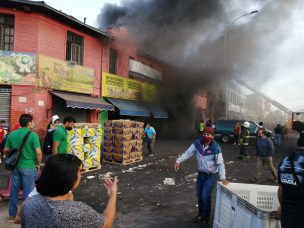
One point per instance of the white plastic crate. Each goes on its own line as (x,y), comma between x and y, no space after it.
(246,206)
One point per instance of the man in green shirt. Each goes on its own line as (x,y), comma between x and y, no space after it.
(28,164)
(60,135)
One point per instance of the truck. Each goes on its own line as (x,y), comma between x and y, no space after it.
(297,119)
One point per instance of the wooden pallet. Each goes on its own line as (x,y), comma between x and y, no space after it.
(124,162)
(91,169)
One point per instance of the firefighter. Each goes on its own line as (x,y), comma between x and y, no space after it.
(244,141)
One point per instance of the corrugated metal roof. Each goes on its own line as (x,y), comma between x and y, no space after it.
(84,101)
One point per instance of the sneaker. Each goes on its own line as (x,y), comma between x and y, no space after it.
(199,219)
(11,219)
(234,144)
(151,155)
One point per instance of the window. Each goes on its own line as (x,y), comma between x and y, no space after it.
(253,127)
(226,124)
(113,61)
(6,32)
(74,49)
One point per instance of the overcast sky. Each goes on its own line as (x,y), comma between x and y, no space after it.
(283,65)
(81,8)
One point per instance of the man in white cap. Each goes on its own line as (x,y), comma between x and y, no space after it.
(48,140)
(55,121)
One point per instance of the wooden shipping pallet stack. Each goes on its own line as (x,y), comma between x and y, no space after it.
(84,141)
(123,141)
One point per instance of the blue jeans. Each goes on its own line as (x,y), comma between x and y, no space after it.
(277,139)
(21,177)
(204,187)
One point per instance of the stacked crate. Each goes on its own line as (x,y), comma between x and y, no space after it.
(123,141)
(137,140)
(84,141)
(108,140)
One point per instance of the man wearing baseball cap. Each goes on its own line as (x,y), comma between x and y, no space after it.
(210,166)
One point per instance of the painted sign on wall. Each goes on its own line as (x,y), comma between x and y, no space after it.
(150,92)
(57,74)
(119,87)
(124,88)
(17,68)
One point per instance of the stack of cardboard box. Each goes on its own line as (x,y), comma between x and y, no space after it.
(123,140)
(84,141)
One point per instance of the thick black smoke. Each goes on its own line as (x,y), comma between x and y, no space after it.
(166,29)
(190,35)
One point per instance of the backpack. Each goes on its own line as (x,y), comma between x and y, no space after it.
(48,143)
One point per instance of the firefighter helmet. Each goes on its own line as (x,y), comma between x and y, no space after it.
(246,124)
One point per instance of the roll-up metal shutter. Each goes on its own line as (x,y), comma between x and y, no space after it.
(59,108)
(5,103)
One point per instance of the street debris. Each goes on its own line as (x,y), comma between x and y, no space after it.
(169,181)
(130,170)
(171,156)
(157,186)
(90,177)
(139,167)
(104,176)
(191,177)
(229,162)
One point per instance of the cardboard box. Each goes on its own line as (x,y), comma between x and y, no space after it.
(107,142)
(108,130)
(108,123)
(109,136)
(107,156)
(122,137)
(120,150)
(122,123)
(120,157)
(140,124)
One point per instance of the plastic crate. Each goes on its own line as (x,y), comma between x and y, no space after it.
(246,206)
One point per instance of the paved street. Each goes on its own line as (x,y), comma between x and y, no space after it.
(144,200)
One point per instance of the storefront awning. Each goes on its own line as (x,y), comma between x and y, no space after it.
(129,108)
(84,101)
(158,112)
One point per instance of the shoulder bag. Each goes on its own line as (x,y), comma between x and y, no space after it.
(12,160)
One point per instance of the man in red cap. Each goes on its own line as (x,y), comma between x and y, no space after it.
(210,164)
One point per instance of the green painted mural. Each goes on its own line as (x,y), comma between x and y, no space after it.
(17,68)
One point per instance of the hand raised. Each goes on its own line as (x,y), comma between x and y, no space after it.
(176,166)
(111,186)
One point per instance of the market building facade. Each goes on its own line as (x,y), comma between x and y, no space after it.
(51,63)
(133,80)
(239,101)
